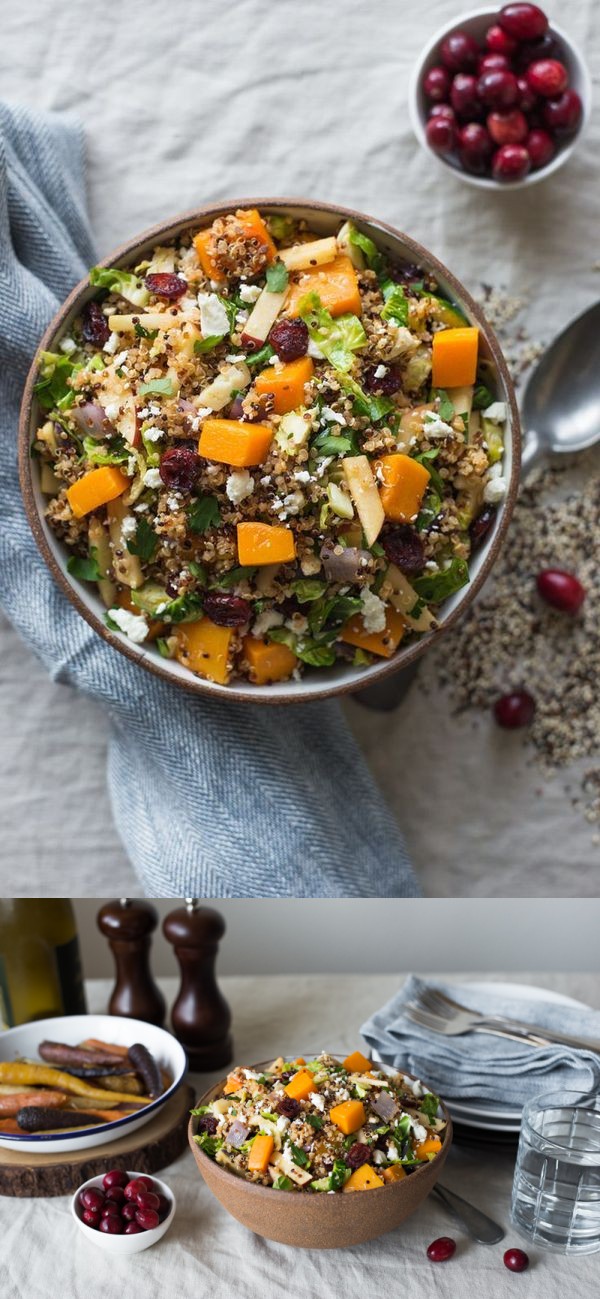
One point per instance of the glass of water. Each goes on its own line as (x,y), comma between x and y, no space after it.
(556,1188)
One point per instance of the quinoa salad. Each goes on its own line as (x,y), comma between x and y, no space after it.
(270,451)
(321,1125)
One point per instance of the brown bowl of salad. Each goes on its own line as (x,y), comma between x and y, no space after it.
(286,1146)
(270,449)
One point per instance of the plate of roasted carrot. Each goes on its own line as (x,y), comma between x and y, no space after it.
(83,1080)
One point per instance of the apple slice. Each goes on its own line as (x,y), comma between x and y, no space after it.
(119,403)
(125,324)
(262,318)
(126,567)
(404,598)
(302,257)
(351,250)
(100,544)
(364,493)
(234,378)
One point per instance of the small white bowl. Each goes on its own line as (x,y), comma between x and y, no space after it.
(71,1029)
(133,1244)
(476,23)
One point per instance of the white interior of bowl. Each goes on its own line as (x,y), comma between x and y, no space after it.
(476,23)
(71,1029)
(315,683)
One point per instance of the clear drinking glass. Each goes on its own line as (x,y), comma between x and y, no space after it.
(556,1188)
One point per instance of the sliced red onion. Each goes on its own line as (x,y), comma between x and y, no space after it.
(92,420)
(237,1135)
(385,1106)
(348,566)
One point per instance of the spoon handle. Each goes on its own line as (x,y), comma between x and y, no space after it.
(476,1223)
(530,453)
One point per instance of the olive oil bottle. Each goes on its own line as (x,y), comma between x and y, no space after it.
(40,964)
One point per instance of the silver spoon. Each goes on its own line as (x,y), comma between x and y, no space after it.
(476,1223)
(560,412)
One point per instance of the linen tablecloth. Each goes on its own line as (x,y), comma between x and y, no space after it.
(183,104)
(43,1256)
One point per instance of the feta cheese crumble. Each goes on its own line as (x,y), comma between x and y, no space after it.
(249,292)
(133,625)
(267,619)
(434,427)
(112,343)
(494,490)
(373,612)
(239,485)
(152,478)
(496,412)
(213,316)
(152,433)
(128,527)
(68,345)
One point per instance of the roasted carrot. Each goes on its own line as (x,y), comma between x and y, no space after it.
(10,1125)
(33,1074)
(10,1105)
(94,1044)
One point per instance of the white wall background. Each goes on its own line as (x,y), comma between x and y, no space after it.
(373,936)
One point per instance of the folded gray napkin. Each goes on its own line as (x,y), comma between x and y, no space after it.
(478,1065)
(210,797)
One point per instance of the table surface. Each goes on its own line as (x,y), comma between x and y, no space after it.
(207,1251)
(179,112)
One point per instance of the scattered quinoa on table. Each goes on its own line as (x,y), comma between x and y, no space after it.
(270,451)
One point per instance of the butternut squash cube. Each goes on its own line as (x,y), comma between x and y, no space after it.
(260,1153)
(233,1084)
(364,1179)
(336,284)
(234,442)
(357,1063)
(454,357)
(204,648)
(286,384)
(268,662)
(427,1149)
(301,1085)
(348,1117)
(95,489)
(403,485)
(255,228)
(384,643)
(395,1173)
(264,543)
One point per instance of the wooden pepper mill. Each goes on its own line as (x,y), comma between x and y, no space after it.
(200,1016)
(128,924)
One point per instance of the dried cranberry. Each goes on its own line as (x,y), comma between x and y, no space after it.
(357,1155)
(403,546)
(226,610)
(480,526)
(387,383)
(290,339)
(179,468)
(164,285)
(288,1107)
(208,1123)
(94,325)
(409,272)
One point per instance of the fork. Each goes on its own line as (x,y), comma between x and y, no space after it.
(433,1009)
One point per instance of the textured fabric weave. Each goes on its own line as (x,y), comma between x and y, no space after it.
(478,1064)
(210,798)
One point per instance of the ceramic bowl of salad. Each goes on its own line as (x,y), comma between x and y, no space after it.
(270,449)
(286,1146)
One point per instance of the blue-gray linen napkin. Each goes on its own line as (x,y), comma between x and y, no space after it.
(210,798)
(480,1066)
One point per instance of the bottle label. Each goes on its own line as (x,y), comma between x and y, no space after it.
(70,977)
(6,1012)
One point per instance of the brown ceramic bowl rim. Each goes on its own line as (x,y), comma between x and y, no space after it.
(256,1189)
(378,671)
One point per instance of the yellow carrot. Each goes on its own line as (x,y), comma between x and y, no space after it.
(34,1074)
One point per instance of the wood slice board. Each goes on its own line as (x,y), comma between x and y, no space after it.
(146,1150)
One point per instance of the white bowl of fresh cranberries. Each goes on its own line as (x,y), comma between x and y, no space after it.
(501,96)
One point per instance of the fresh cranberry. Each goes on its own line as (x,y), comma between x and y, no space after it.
(516,1260)
(436,84)
(540,147)
(480,526)
(92,1198)
(226,610)
(289,338)
(116,1194)
(511,162)
(529,51)
(507,128)
(164,285)
(527,100)
(110,1210)
(490,61)
(442,110)
(560,589)
(499,41)
(112,1226)
(357,1155)
(403,546)
(164,1207)
(464,97)
(288,1107)
(178,468)
(441,1249)
(459,52)
(498,88)
(133,1229)
(135,1185)
(129,1210)
(91,1218)
(523,22)
(548,78)
(147,1219)
(115,1177)
(563,114)
(440,134)
(387,383)
(94,325)
(475,146)
(147,1200)
(514,709)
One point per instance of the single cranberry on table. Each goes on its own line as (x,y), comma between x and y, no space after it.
(515,709)
(548,78)
(164,285)
(499,41)
(441,135)
(459,52)
(464,96)
(540,147)
(511,162)
(441,1249)
(516,1260)
(436,84)
(560,589)
(508,128)
(524,22)
(498,88)
(563,114)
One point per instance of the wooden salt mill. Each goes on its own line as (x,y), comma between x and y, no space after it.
(200,1016)
(128,924)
